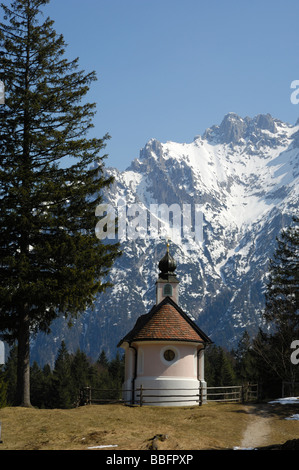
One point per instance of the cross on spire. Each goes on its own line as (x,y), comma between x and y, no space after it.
(167,244)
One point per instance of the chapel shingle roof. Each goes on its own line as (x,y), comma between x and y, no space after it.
(166,321)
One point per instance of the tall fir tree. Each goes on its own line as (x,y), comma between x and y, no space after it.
(80,370)
(51,261)
(103,361)
(245,362)
(282,309)
(219,367)
(282,295)
(63,393)
(37,386)
(10,370)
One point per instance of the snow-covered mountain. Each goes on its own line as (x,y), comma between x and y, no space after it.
(243,174)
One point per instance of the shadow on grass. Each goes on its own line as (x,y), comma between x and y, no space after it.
(275,410)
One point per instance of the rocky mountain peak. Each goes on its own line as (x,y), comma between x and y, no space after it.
(233,128)
(153,145)
(265,121)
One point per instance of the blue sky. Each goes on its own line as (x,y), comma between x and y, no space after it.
(171,68)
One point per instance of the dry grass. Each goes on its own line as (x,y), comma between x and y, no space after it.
(212,426)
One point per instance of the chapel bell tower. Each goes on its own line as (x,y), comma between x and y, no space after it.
(167,284)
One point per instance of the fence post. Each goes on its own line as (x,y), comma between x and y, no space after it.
(141,396)
(200,394)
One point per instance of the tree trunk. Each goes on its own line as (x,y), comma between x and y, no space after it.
(23,373)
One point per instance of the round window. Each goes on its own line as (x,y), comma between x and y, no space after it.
(169,355)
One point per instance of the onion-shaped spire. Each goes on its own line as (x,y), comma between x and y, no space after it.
(167,264)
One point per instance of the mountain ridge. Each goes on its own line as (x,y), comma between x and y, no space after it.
(243,173)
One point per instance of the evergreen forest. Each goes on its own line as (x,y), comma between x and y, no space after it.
(60,387)
(268,359)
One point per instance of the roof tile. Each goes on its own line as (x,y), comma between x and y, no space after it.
(165,321)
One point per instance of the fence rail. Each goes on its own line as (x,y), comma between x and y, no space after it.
(144,398)
(141,396)
(238,393)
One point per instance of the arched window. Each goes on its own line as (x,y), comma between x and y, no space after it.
(167,290)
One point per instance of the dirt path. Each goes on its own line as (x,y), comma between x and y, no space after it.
(258,430)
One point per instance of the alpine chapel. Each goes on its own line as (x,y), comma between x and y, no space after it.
(164,352)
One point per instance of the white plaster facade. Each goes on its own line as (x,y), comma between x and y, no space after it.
(182,377)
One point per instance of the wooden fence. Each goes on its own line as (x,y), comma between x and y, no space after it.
(236,393)
(151,396)
(100,396)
